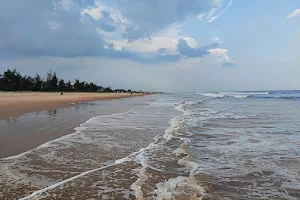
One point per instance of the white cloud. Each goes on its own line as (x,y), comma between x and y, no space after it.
(147,46)
(220,55)
(66,4)
(200,16)
(53,25)
(166,39)
(119,22)
(190,41)
(216,39)
(293,14)
(210,14)
(211,17)
(94,12)
(226,8)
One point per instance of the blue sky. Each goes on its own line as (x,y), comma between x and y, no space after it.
(169,45)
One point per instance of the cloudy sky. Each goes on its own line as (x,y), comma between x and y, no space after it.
(157,45)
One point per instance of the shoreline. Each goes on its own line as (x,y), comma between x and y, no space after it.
(29,131)
(15,104)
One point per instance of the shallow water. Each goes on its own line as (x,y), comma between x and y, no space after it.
(236,145)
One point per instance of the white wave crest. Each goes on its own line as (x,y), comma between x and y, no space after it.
(232,94)
(213,95)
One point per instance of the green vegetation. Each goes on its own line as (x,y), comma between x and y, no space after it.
(12,80)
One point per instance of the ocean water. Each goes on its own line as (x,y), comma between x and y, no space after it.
(225,145)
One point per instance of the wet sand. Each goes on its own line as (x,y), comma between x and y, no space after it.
(15,104)
(28,131)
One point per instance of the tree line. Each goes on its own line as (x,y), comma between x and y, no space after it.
(12,80)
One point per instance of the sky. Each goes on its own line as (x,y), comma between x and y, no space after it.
(156,45)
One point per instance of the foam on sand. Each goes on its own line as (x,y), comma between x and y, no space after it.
(137,185)
(179,188)
(39,192)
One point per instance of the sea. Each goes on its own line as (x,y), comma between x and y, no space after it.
(218,145)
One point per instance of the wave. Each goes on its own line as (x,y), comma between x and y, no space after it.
(232,94)
(187,157)
(285,92)
(190,113)
(264,95)
(169,147)
(155,155)
(288,97)
(213,95)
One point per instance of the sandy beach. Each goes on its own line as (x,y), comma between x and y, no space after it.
(14,104)
(56,118)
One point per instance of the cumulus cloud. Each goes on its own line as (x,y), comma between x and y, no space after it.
(293,14)
(220,55)
(139,29)
(167,39)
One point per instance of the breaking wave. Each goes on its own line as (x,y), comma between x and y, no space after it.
(233,94)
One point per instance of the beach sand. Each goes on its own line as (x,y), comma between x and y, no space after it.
(28,120)
(15,104)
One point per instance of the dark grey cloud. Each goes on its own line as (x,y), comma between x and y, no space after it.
(27,31)
(106,23)
(34,28)
(149,16)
